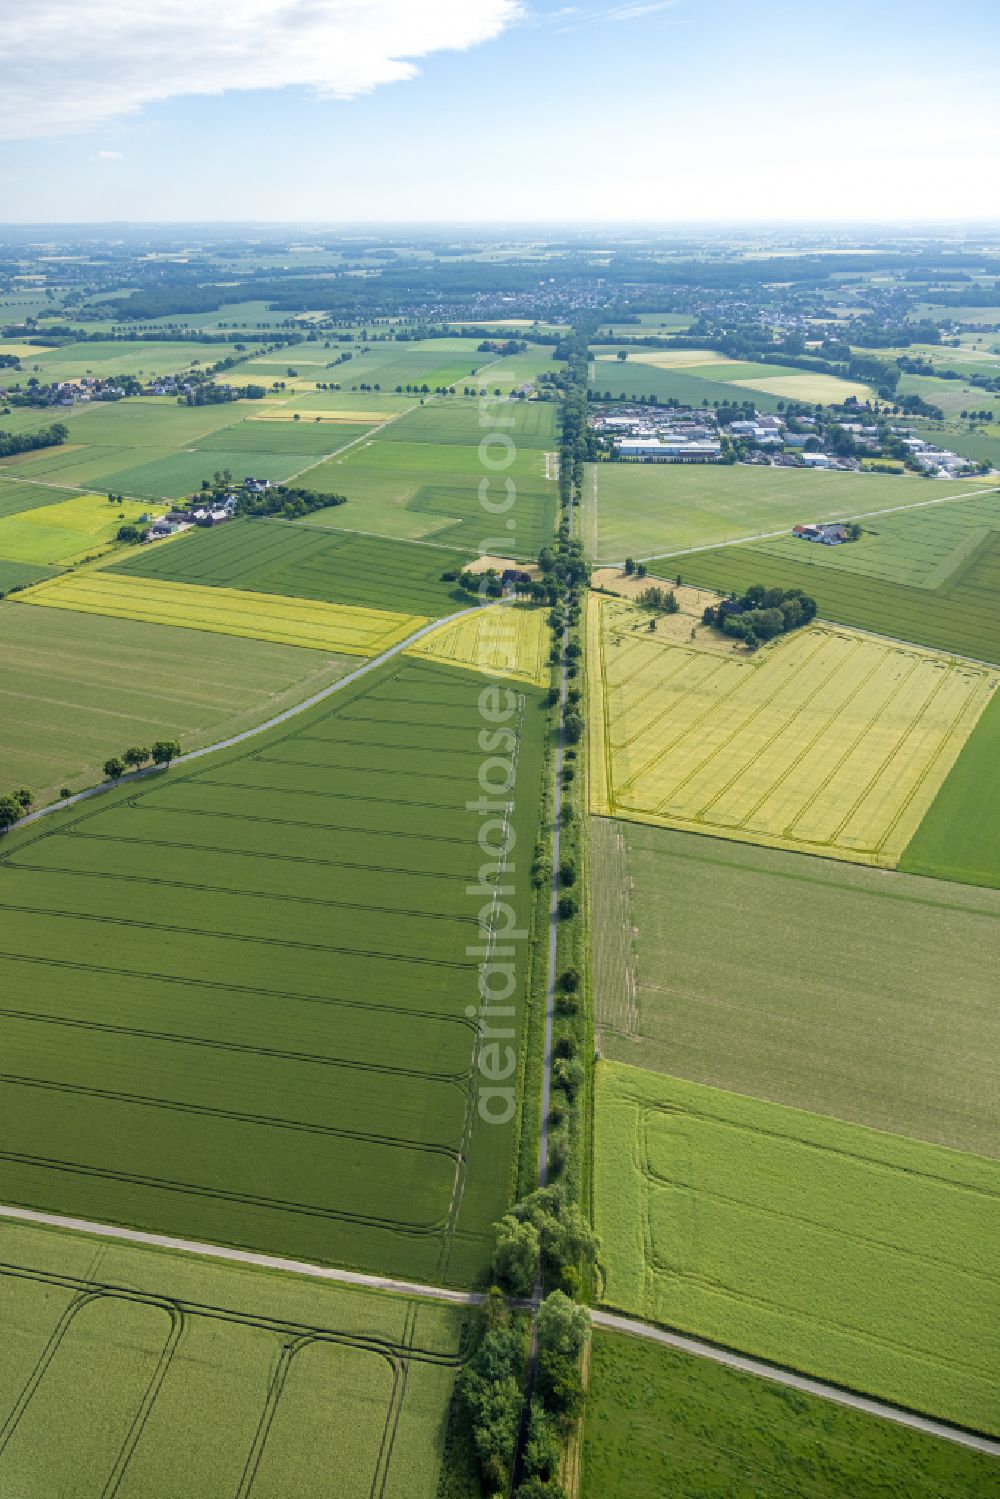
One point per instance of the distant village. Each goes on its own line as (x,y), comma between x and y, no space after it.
(849,440)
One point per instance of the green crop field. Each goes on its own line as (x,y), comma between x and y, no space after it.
(77,688)
(127,357)
(16,497)
(659,1422)
(245,987)
(151,422)
(431,362)
(958,839)
(297,559)
(154,1375)
(360,405)
(684,385)
(892,1027)
(513,371)
(22,574)
(428,490)
(645,509)
(50,536)
(952,396)
(861,1257)
(151,447)
(172,475)
(952,553)
(528,424)
(317,439)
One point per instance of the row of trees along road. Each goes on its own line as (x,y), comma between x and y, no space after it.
(161,753)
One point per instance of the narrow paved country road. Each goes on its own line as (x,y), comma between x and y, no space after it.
(609,1320)
(269,723)
(792,1381)
(240,1256)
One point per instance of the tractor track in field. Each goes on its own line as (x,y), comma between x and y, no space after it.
(628,1326)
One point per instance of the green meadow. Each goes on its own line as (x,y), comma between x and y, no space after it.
(250,981)
(160,1376)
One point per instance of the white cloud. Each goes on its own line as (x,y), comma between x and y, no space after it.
(110,156)
(637,11)
(68,67)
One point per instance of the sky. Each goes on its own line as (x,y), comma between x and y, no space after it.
(347,111)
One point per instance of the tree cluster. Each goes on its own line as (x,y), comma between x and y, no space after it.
(543,1237)
(14,806)
(664,600)
(27,442)
(762,613)
(489,1389)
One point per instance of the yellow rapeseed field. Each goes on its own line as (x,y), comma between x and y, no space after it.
(341,628)
(827,740)
(504,640)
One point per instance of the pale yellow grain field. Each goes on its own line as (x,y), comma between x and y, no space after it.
(502,640)
(340,628)
(828,741)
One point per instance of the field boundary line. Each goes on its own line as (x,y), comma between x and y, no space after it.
(801,1382)
(368,436)
(715,546)
(633,1327)
(268,723)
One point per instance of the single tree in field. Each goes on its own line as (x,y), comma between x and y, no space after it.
(136,755)
(165,750)
(114,767)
